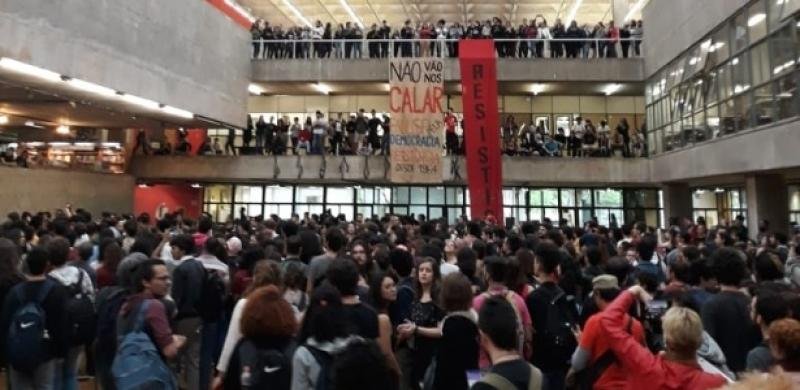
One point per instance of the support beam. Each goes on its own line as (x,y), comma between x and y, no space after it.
(677,201)
(767,199)
(328,11)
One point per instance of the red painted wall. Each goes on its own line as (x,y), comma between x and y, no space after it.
(231,13)
(147,199)
(196,138)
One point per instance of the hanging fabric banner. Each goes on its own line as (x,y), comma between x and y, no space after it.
(416,94)
(481,128)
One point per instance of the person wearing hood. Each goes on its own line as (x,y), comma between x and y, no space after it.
(324,331)
(677,367)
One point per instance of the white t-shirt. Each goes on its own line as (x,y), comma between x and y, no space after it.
(447,268)
(578,130)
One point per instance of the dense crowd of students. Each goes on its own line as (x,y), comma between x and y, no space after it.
(394,302)
(530,39)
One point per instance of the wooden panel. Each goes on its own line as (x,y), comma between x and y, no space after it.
(262,104)
(621,104)
(543,104)
(592,105)
(566,104)
(379,103)
(314,103)
(291,103)
(341,103)
(517,104)
(639,105)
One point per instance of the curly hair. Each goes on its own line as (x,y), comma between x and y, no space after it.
(267,315)
(784,336)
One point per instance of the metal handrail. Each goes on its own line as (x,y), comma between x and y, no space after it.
(440,47)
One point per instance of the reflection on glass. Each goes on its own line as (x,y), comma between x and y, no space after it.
(309,194)
(278,194)
(339,195)
(436,195)
(418,195)
(252,194)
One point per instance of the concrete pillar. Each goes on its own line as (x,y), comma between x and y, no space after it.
(677,201)
(767,199)
(620,9)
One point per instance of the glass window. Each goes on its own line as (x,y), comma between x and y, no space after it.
(641,198)
(251,194)
(550,197)
(712,121)
(794,198)
(339,195)
(786,96)
(251,210)
(711,87)
(278,194)
(417,210)
(739,74)
(703,199)
(724,81)
(383,195)
(759,57)
(717,47)
(775,9)
(757,21)
(764,105)
(282,210)
(567,198)
(436,195)
(454,195)
(219,212)
(584,198)
(739,33)
(418,195)
(217,194)
(308,194)
(608,198)
(783,54)
(400,195)
(365,195)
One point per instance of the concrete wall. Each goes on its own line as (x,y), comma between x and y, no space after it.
(754,151)
(516,170)
(183,53)
(48,189)
(312,70)
(672,26)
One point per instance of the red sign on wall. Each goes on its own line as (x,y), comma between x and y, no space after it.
(481,128)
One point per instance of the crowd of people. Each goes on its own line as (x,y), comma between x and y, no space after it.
(395,302)
(530,39)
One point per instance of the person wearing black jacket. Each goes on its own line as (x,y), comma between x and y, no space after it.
(573,46)
(624,39)
(187,287)
(384,33)
(56,322)
(556,45)
(261,129)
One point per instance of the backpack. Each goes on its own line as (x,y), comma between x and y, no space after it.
(212,298)
(586,378)
(558,340)
(263,368)
(137,363)
(27,345)
(325,379)
(589,138)
(522,346)
(81,312)
(500,382)
(109,303)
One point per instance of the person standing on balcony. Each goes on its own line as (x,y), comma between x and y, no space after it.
(522,33)
(316,35)
(255,34)
(384,33)
(544,35)
(261,129)
(441,36)
(613,38)
(406,34)
(267,36)
(229,148)
(294,133)
(372,137)
(426,33)
(358,41)
(373,47)
(557,45)
(338,47)
(451,139)
(625,36)
(319,130)
(269,135)
(600,33)
(573,34)
(327,35)
(387,126)
(248,132)
(347,34)
(636,34)
(623,129)
(455,33)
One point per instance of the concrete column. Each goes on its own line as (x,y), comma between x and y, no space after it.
(620,9)
(767,199)
(677,201)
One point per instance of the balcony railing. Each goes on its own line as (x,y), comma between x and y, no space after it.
(264,49)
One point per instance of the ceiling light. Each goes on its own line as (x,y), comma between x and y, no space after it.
(241,11)
(735,61)
(33,124)
(352,13)
(63,129)
(140,101)
(143,185)
(30,70)
(636,8)
(297,13)
(719,190)
(705,46)
(700,192)
(255,89)
(756,19)
(58,144)
(694,60)
(196,185)
(537,88)
(3,119)
(90,87)
(177,112)
(322,88)
(611,89)
(110,145)
(573,11)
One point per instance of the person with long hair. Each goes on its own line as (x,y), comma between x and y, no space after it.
(421,330)
(110,256)
(265,273)
(268,323)
(383,293)
(459,345)
(323,331)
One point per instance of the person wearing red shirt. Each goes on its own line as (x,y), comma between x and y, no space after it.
(677,367)
(451,139)
(593,361)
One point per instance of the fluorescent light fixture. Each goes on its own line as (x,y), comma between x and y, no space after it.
(297,13)
(735,61)
(537,88)
(34,144)
(706,45)
(84,145)
(143,185)
(240,10)
(30,70)
(755,19)
(719,190)
(13,145)
(110,145)
(716,46)
(3,119)
(63,129)
(177,112)
(32,124)
(636,8)
(387,87)
(140,101)
(700,191)
(255,89)
(58,144)
(573,11)
(353,14)
(90,87)
(322,88)
(694,61)
(611,89)
(196,185)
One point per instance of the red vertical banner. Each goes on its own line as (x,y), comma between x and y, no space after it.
(481,128)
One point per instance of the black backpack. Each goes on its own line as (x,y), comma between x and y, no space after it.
(263,368)
(81,312)
(325,380)
(212,298)
(109,303)
(589,138)
(558,340)
(586,378)
(28,342)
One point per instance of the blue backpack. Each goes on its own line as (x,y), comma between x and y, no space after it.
(28,341)
(137,364)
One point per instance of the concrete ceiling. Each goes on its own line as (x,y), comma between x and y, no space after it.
(279,12)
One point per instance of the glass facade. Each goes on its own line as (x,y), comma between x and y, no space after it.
(715,205)
(794,204)
(741,76)
(610,206)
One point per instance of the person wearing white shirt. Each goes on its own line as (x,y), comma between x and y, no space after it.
(576,137)
(543,35)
